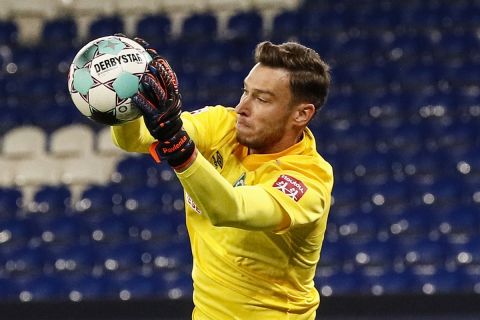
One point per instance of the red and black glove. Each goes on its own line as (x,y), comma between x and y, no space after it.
(160,103)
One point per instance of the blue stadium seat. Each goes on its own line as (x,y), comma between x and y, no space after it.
(132,172)
(17,233)
(177,285)
(89,288)
(156,30)
(27,61)
(393,198)
(418,78)
(105,26)
(136,286)
(97,202)
(471,192)
(145,200)
(453,47)
(42,288)
(7,290)
(339,112)
(199,27)
(359,227)
(74,259)
(11,118)
(245,26)
(358,51)
(372,257)
(332,258)
(59,33)
(440,193)
(10,203)
(224,88)
(471,283)
(464,256)
(388,283)
(346,200)
(340,284)
(407,48)
(156,228)
(112,228)
(469,165)
(170,256)
(8,33)
(50,201)
(314,24)
(413,223)
(459,222)
(405,139)
(120,258)
(463,75)
(355,141)
(212,61)
(455,139)
(423,167)
(421,255)
(64,230)
(387,112)
(369,168)
(285,26)
(440,282)
(26,261)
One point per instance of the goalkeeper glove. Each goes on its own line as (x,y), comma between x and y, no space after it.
(159,101)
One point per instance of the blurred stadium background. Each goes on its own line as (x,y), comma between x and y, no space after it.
(85,227)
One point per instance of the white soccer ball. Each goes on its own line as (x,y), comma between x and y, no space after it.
(103,77)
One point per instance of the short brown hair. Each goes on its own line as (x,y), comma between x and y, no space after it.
(309,74)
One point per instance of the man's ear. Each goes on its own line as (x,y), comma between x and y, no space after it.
(303,114)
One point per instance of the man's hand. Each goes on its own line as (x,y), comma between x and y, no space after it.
(159,100)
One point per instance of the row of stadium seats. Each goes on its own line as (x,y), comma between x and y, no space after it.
(401,129)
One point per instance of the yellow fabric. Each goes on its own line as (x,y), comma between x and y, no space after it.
(248,271)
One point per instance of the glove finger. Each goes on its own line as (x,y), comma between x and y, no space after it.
(146,107)
(166,66)
(155,88)
(161,71)
(158,73)
(171,83)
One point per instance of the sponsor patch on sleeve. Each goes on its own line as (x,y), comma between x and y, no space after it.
(292,187)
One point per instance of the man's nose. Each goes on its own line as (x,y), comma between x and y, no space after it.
(242,106)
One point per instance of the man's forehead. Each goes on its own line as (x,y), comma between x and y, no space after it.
(266,79)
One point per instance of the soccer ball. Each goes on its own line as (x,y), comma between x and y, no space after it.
(103,77)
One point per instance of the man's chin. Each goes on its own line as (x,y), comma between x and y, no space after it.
(242,139)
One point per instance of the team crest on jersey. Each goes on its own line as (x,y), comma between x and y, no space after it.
(217,160)
(292,187)
(240,181)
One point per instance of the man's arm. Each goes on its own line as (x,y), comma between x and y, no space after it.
(246,207)
(132,136)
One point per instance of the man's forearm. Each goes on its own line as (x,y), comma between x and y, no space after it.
(132,136)
(246,207)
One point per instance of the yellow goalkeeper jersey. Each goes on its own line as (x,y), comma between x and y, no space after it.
(252,274)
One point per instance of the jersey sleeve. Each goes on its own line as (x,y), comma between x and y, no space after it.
(208,126)
(132,136)
(302,198)
(205,126)
(246,207)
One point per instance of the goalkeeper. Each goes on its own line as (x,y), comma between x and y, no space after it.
(257,193)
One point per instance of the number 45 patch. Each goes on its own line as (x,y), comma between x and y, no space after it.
(292,187)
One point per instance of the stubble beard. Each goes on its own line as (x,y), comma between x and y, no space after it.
(260,142)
